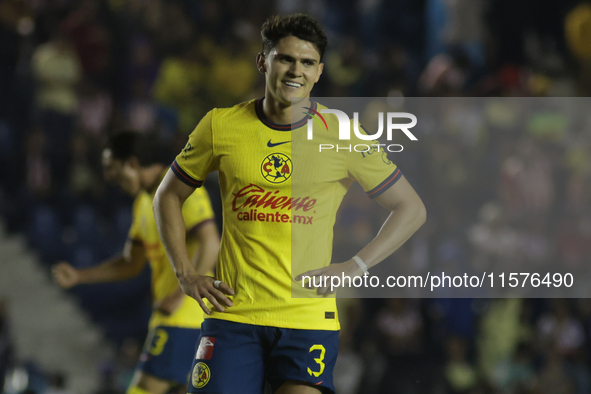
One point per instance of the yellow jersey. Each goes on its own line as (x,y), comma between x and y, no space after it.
(196,210)
(275,225)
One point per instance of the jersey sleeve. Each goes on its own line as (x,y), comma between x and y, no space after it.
(196,160)
(372,168)
(134,233)
(197,209)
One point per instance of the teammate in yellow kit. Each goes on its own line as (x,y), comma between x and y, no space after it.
(255,330)
(130,162)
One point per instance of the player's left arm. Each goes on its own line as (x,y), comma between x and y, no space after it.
(407,215)
(208,238)
(168,202)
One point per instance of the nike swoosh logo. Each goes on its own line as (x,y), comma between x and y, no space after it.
(271,145)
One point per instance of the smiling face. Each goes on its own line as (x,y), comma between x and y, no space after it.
(291,69)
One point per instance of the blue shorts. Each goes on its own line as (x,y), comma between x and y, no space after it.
(168,353)
(236,358)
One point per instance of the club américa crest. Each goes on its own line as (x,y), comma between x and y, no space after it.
(201,375)
(276,168)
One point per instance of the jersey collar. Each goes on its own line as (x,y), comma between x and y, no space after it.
(276,126)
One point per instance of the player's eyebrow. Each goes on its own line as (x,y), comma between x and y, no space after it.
(291,58)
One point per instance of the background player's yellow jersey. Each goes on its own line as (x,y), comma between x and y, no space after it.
(196,210)
(268,213)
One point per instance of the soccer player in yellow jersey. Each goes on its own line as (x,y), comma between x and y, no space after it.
(130,161)
(254,330)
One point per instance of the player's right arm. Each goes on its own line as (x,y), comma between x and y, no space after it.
(168,203)
(123,267)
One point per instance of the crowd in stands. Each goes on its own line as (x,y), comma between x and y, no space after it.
(501,189)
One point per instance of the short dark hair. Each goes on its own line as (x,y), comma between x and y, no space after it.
(128,143)
(301,26)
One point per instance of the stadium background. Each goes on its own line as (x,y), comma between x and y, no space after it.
(71,71)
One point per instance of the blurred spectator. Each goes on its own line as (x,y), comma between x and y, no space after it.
(180,83)
(90,38)
(458,23)
(527,184)
(553,377)
(95,107)
(142,66)
(502,328)
(344,67)
(387,76)
(495,243)
(232,72)
(16,22)
(577,34)
(141,111)
(560,330)
(168,25)
(443,76)
(461,375)
(400,329)
(562,336)
(38,167)
(577,159)
(517,375)
(57,70)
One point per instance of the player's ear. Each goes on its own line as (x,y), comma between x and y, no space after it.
(261,62)
(320,69)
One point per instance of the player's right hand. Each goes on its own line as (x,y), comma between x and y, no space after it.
(65,275)
(202,286)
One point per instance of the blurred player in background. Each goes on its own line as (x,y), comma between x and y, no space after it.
(255,330)
(130,161)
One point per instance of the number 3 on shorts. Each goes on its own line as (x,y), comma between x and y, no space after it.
(318,360)
(158,342)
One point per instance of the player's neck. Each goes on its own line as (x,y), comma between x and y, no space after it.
(279,113)
(151,176)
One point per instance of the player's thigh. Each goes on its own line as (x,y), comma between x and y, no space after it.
(302,360)
(144,383)
(229,359)
(168,353)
